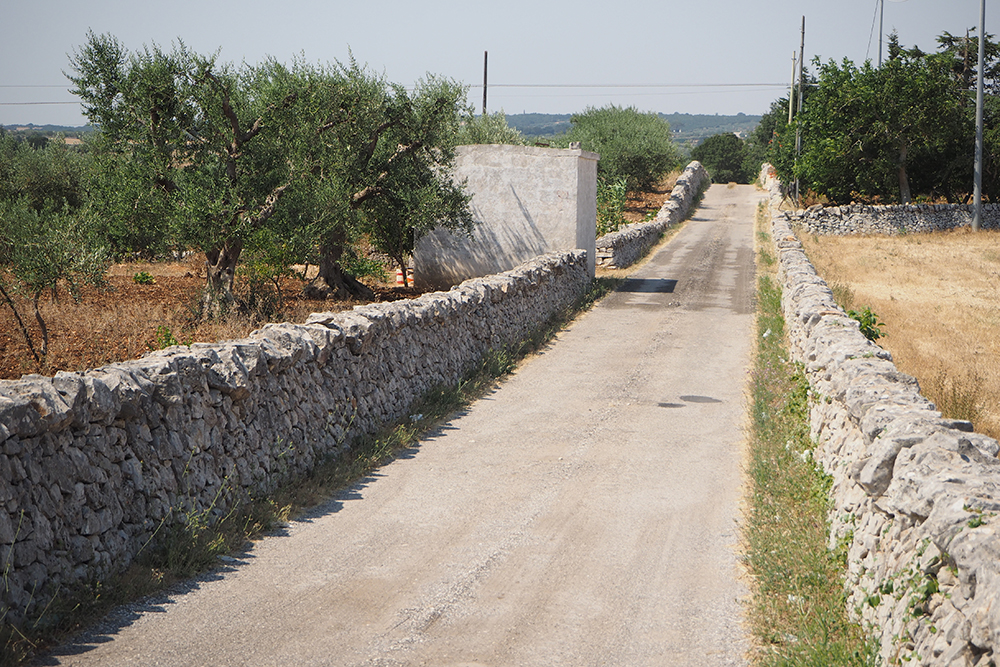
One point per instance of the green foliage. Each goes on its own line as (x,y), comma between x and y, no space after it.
(895,132)
(194,153)
(165,338)
(611,200)
(773,141)
(52,174)
(143,278)
(200,143)
(633,146)
(724,156)
(868,323)
(42,250)
(381,165)
(488,128)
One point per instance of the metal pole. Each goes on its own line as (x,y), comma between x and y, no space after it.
(977,196)
(881,15)
(486,55)
(798,127)
(791,88)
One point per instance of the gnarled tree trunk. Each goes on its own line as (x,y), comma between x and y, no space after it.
(332,282)
(220,268)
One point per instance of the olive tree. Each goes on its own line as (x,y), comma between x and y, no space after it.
(382,164)
(633,145)
(197,142)
(39,249)
(723,155)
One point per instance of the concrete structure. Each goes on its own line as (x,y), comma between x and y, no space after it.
(526,201)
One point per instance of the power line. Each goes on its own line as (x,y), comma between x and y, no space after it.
(630,85)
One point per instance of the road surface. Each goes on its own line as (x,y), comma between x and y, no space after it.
(584,513)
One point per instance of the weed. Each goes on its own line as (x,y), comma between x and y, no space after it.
(143,278)
(868,323)
(165,338)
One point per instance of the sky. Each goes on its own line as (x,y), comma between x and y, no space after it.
(545,56)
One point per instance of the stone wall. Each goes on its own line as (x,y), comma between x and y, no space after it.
(92,463)
(624,247)
(526,201)
(895,219)
(917,496)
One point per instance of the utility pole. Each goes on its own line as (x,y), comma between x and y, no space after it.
(977,196)
(798,126)
(486,56)
(881,15)
(791,88)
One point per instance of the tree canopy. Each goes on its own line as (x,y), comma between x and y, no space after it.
(723,155)
(889,133)
(195,153)
(633,146)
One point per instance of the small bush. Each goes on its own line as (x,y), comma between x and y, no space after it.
(611,200)
(868,323)
(633,146)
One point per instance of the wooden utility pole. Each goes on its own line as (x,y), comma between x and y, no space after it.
(486,55)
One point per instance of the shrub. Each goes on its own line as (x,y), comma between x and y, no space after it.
(868,323)
(611,199)
(633,146)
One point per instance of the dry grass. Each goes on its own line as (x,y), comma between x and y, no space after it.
(124,320)
(937,295)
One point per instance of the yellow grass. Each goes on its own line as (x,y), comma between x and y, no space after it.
(937,295)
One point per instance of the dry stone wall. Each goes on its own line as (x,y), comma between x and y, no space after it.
(92,463)
(624,247)
(917,496)
(895,219)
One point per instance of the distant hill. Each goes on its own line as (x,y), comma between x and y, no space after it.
(539,124)
(689,129)
(692,129)
(31,128)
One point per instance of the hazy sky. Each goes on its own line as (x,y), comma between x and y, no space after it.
(697,56)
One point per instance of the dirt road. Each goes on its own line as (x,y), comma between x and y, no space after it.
(582,514)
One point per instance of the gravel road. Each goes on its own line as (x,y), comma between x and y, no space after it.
(584,513)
